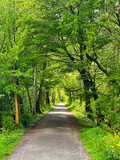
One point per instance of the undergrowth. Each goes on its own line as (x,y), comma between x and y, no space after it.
(10,136)
(100,144)
(46,108)
(8,141)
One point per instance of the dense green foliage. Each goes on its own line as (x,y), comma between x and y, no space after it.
(66,50)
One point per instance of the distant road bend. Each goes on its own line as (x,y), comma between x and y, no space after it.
(54,137)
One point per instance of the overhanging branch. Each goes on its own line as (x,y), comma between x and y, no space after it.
(98,64)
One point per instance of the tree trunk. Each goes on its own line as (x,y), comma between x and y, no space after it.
(53,97)
(41,98)
(29,98)
(87,103)
(39,101)
(35,90)
(87,85)
(47,98)
(70,97)
(16,105)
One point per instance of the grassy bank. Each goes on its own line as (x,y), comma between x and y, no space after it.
(8,141)
(100,144)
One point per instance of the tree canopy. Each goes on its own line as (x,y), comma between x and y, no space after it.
(54,51)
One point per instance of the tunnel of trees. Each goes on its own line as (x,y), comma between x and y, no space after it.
(60,50)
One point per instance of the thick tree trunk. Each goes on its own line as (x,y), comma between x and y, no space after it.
(35,90)
(87,86)
(87,104)
(17,110)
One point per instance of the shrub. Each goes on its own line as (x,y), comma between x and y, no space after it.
(26,119)
(8,123)
(86,122)
(77,109)
(46,108)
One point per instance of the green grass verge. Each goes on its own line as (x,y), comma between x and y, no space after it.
(92,139)
(100,144)
(8,142)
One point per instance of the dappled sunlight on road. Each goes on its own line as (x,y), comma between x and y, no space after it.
(60,104)
(65,113)
(60,109)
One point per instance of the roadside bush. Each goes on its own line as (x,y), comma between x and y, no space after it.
(8,123)
(86,122)
(46,108)
(77,109)
(108,106)
(26,119)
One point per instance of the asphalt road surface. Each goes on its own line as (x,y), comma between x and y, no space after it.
(54,137)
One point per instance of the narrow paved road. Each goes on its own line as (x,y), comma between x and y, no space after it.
(54,137)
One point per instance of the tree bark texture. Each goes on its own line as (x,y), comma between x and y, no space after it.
(17,110)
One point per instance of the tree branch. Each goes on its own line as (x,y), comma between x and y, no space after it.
(98,64)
